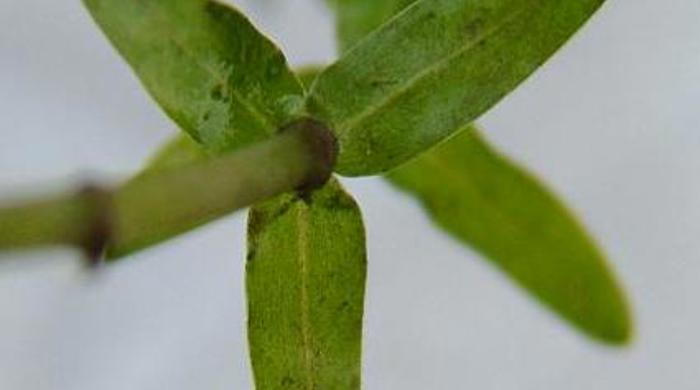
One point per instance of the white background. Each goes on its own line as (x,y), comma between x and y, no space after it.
(612,123)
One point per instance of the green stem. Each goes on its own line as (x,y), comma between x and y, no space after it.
(158,206)
(64,220)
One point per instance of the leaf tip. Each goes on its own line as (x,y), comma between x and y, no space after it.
(621,332)
(615,328)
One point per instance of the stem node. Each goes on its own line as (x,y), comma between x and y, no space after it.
(323,148)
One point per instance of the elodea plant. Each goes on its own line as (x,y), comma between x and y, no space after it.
(400,102)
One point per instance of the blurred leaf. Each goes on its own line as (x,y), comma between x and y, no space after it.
(180,150)
(305,286)
(487,202)
(206,65)
(432,70)
(357,18)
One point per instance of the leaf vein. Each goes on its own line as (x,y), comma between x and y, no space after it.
(222,80)
(303,226)
(436,67)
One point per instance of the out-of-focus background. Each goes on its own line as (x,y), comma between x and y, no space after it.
(612,123)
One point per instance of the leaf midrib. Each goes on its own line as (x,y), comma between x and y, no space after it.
(436,67)
(303,243)
(261,118)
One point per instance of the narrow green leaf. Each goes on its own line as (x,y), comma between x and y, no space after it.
(432,70)
(488,203)
(305,284)
(179,151)
(466,188)
(206,65)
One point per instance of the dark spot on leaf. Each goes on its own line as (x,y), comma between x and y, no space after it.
(273,71)
(474,27)
(287,381)
(380,83)
(306,197)
(217,92)
(250,256)
(338,201)
(254,221)
(280,211)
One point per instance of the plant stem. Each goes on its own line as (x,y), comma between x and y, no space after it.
(158,206)
(64,220)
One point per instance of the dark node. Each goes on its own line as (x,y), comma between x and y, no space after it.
(99,220)
(323,146)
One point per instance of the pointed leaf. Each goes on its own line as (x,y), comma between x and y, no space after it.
(474,166)
(206,65)
(432,70)
(305,285)
(490,204)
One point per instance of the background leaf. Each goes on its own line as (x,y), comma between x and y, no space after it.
(488,203)
(305,281)
(432,70)
(206,65)
(179,151)
(357,18)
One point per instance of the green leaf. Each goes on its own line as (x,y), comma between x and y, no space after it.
(357,18)
(206,65)
(432,70)
(485,201)
(181,150)
(469,162)
(307,75)
(305,283)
